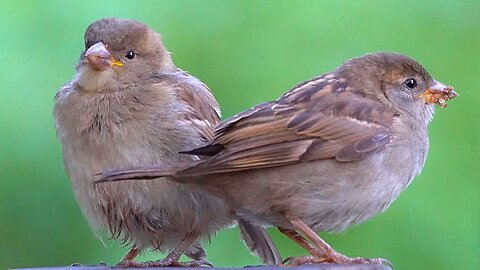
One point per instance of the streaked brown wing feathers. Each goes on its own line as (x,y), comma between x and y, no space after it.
(330,122)
(202,110)
(252,158)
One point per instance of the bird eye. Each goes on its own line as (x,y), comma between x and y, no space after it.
(411,83)
(130,55)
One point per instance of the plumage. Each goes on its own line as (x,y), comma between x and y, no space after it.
(129,105)
(330,153)
(313,121)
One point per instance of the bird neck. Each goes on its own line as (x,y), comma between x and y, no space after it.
(90,80)
(421,117)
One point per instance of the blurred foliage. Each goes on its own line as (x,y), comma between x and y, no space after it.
(247,52)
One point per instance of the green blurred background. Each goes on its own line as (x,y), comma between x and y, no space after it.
(247,52)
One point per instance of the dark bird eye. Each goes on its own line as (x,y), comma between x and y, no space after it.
(130,55)
(411,83)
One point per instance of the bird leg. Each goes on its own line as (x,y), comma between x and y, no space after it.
(127,260)
(300,240)
(328,253)
(170,260)
(173,257)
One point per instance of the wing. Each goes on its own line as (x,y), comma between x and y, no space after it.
(319,119)
(202,109)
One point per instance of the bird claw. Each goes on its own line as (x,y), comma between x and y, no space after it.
(334,258)
(301,260)
(341,259)
(163,263)
(196,263)
(130,263)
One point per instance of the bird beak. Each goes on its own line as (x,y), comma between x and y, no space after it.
(99,58)
(438,94)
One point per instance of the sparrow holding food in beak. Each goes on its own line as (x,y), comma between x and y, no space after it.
(330,153)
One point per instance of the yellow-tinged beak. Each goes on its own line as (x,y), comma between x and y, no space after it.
(438,94)
(99,58)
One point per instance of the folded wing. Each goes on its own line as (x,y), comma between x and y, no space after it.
(320,119)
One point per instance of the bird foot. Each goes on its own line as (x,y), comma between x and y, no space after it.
(321,251)
(301,260)
(334,258)
(195,263)
(130,263)
(338,258)
(163,263)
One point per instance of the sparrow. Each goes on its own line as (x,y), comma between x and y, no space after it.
(330,153)
(129,105)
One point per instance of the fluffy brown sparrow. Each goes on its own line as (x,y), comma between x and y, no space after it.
(330,153)
(128,105)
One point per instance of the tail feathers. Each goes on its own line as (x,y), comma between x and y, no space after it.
(137,173)
(259,242)
(196,252)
